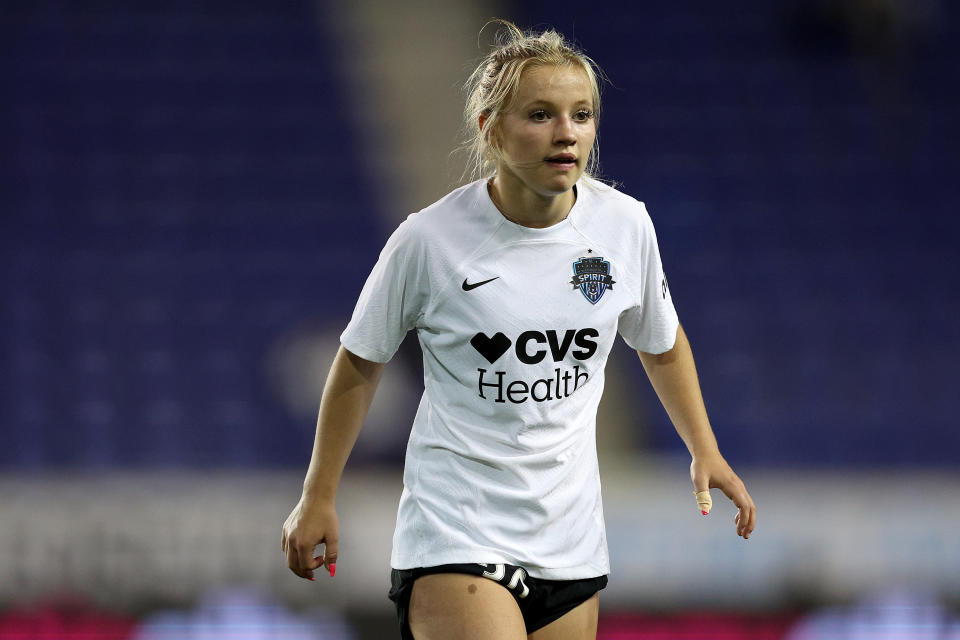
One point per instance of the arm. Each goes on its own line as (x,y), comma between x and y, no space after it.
(346,398)
(674,378)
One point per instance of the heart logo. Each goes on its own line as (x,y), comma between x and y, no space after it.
(491,348)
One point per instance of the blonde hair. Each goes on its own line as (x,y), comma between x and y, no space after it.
(493,84)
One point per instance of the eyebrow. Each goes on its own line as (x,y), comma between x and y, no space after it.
(535,103)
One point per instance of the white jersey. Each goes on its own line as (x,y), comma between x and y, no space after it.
(515,325)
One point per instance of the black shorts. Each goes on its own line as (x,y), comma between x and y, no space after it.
(541,601)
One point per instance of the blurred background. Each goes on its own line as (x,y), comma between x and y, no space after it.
(193,193)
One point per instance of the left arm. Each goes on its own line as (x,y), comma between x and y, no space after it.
(674,378)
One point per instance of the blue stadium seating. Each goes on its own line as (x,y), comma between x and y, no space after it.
(184,180)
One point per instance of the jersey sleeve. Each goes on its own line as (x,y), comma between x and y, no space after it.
(651,324)
(392,300)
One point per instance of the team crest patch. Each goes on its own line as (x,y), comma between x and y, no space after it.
(592,277)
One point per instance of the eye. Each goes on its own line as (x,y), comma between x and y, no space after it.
(539,115)
(583,115)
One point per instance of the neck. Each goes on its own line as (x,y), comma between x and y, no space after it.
(522,206)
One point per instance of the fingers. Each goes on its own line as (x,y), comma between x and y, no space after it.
(746,518)
(293,560)
(306,563)
(301,561)
(300,558)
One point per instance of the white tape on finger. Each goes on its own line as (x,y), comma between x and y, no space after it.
(704,501)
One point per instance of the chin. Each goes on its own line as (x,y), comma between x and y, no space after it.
(559,187)
(549,186)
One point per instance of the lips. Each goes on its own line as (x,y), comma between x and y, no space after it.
(562,158)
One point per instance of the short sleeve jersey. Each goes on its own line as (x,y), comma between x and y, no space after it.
(515,325)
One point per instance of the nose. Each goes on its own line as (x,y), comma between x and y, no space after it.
(563,132)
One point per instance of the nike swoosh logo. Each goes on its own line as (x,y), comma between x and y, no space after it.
(467,286)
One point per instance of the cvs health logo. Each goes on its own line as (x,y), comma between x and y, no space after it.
(533,347)
(499,344)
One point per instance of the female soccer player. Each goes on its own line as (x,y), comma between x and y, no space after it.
(517,285)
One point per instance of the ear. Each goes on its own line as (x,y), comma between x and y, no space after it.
(489,136)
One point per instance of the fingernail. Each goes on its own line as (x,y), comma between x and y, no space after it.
(333,569)
(312,579)
(704,512)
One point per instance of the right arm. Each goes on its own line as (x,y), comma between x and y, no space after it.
(346,398)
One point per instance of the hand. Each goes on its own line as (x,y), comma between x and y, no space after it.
(308,525)
(711,471)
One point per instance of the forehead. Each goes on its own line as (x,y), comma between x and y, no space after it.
(567,83)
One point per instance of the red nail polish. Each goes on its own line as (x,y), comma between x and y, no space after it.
(704,512)
(333,569)
(312,579)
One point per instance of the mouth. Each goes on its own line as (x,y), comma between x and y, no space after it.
(562,160)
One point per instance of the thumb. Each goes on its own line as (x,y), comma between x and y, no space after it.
(330,555)
(701,491)
(701,488)
(704,501)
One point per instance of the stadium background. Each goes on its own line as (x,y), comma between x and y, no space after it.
(193,193)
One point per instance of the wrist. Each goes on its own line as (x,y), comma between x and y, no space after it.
(704,447)
(319,493)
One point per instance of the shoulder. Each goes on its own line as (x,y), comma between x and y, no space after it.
(457,209)
(612,215)
(450,226)
(433,218)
